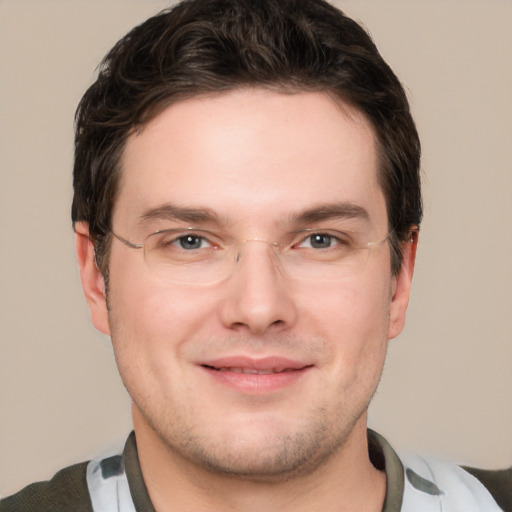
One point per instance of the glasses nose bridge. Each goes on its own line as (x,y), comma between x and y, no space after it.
(241,246)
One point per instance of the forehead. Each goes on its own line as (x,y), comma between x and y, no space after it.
(251,153)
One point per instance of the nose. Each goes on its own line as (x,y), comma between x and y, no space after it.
(258,299)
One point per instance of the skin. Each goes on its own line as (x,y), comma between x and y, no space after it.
(254,157)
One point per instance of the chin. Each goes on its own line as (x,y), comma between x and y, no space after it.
(261,452)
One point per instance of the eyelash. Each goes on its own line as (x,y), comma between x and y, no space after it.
(176,241)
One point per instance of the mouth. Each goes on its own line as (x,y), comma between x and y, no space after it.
(256,376)
(255,366)
(251,371)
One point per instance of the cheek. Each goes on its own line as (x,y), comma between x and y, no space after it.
(351,308)
(353,319)
(156,318)
(151,328)
(149,320)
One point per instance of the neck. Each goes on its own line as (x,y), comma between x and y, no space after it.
(347,481)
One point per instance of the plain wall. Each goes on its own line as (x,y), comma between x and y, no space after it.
(446,388)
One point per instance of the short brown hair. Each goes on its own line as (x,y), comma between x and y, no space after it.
(205,46)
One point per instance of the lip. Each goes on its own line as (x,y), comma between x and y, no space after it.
(255,375)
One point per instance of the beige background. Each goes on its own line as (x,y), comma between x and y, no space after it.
(447,386)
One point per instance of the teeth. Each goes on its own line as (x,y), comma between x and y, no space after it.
(254,371)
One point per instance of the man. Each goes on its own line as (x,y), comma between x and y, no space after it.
(247,205)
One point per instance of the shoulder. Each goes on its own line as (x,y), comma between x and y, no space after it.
(429,481)
(498,482)
(66,491)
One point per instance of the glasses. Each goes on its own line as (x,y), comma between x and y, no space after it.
(191,255)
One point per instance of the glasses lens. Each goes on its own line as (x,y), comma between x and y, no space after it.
(197,256)
(185,255)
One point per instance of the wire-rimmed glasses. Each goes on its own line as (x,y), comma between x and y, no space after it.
(191,255)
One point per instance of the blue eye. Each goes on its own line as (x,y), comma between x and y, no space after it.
(320,241)
(190,242)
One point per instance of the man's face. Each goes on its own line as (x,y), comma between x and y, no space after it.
(262,372)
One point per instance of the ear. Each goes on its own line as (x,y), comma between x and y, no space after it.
(92,279)
(402,286)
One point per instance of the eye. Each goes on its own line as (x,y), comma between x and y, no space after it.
(320,241)
(180,246)
(191,242)
(179,240)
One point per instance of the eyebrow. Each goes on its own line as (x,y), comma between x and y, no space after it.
(203,215)
(170,211)
(329,211)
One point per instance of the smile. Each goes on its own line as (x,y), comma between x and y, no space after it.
(250,376)
(252,371)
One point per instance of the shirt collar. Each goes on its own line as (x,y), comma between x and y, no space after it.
(381,454)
